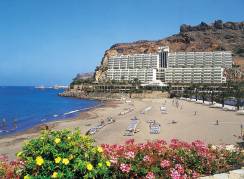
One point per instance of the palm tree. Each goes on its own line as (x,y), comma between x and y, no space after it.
(137,82)
(238,94)
(203,96)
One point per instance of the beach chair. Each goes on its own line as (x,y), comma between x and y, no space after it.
(154,129)
(240,112)
(229,108)
(91,131)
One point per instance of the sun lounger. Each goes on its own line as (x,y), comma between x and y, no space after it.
(146,110)
(240,112)
(216,105)
(91,131)
(150,121)
(155,128)
(199,102)
(163,110)
(208,103)
(229,108)
(126,111)
(110,120)
(182,98)
(128,133)
(131,129)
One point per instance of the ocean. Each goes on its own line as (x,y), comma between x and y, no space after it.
(22,108)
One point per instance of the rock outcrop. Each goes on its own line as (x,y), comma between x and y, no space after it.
(214,26)
(203,37)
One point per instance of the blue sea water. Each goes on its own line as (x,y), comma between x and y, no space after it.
(29,107)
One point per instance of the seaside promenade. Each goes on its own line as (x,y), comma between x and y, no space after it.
(192,121)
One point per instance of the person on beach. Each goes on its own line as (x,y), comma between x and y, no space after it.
(195,113)
(15,123)
(4,123)
(177,104)
(217,122)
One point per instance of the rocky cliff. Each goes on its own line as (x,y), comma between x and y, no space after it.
(203,37)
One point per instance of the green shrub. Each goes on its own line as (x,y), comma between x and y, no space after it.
(63,154)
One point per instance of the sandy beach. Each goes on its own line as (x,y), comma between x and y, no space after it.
(188,126)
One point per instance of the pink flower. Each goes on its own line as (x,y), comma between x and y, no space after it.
(179,168)
(125,167)
(150,175)
(113,160)
(165,163)
(146,158)
(130,142)
(195,175)
(130,155)
(174,174)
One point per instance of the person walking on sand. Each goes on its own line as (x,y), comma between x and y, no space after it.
(217,122)
(195,113)
(15,123)
(4,123)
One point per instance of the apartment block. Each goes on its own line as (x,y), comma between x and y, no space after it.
(174,67)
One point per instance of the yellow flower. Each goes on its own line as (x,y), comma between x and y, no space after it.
(69,138)
(39,160)
(89,166)
(65,161)
(93,150)
(57,160)
(26,177)
(100,149)
(84,138)
(71,157)
(55,175)
(57,140)
(108,163)
(100,164)
(19,154)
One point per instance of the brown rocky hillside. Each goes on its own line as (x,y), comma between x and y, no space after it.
(216,36)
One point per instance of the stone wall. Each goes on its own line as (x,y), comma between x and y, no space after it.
(234,174)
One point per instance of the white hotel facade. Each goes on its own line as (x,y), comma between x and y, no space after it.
(176,67)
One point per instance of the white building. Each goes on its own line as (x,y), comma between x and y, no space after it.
(176,67)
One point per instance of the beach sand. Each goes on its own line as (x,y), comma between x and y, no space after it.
(189,127)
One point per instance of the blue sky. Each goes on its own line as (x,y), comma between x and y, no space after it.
(50,41)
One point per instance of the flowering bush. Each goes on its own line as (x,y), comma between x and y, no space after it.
(10,170)
(178,160)
(63,154)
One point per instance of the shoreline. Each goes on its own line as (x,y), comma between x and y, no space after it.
(52,122)
(19,138)
(188,127)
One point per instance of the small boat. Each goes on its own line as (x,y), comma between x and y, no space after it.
(40,87)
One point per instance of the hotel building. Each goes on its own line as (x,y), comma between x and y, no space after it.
(176,67)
